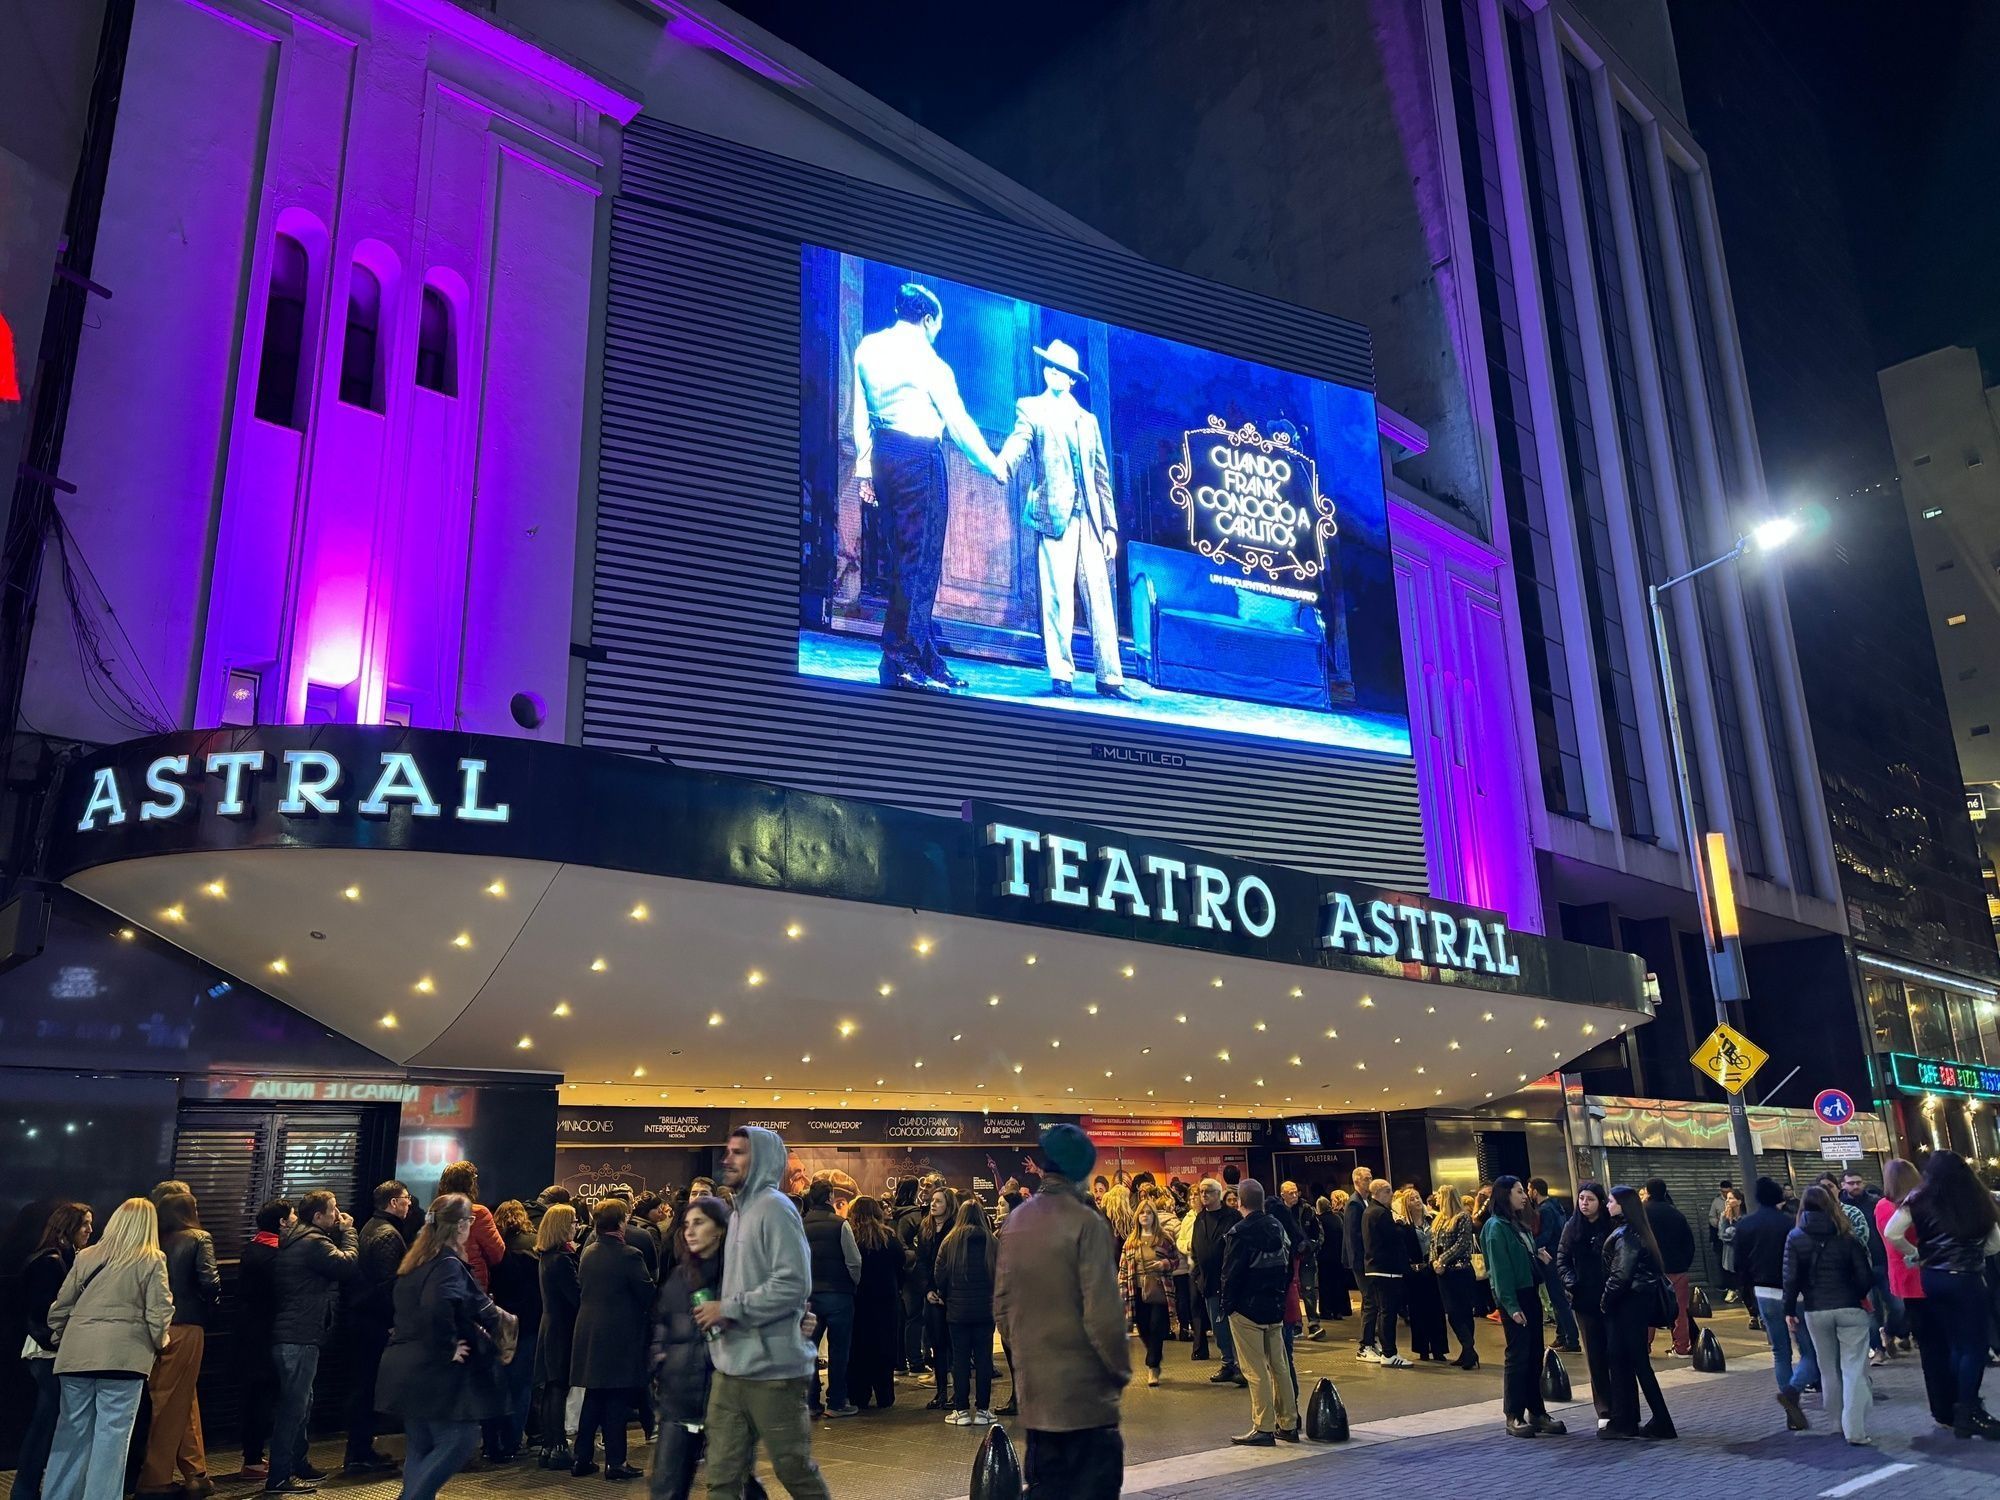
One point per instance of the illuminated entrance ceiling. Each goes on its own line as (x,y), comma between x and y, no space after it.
(702,992)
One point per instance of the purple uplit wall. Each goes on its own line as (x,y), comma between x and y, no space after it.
(1463,731)
(327,434)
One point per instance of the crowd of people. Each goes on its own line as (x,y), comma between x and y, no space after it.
(546,1329)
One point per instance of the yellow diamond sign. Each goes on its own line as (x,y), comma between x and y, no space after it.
(1730,1058)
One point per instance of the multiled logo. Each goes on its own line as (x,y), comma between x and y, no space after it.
(1252,501)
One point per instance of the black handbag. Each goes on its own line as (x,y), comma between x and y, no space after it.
(1666,1306)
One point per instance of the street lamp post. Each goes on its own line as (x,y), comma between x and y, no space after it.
(1766,537)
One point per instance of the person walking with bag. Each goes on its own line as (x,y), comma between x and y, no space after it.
(1638,1298)
(1828,1276)
(1508,1241)
(1146,1270)
(110,1321)
(442,1370)
(1580,1264)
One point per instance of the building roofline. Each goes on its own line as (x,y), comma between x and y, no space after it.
(530,55)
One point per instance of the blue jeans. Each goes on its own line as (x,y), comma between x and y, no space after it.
(1958,1305)
(835,1311)
(1779,1332)
(297,1365)
(1224,1339)
(93,1434)
(34,1458)
(433,1452)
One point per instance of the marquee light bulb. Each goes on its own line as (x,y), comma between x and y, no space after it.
(1367,1002)
(174,914)
(498,888)
(639,1072)
(639,912)
(794,930)
(1487,1017)
(1262,1027)
(425,986)
(715,1018)
(388,1022)
(1128,971)
(1029,959)
(1181,1019)
(992,999)
(463,940)
(1017,1067)
(846,1028)
(958,1036)
(1332,1035)
(1453,1046)
(1541,1023)
(279,966)
(1222,1056)
(922,946)
(525,1043)
(885,990)
(561,1010)
(1090,1009)
(1216,983)
(1296,1061)
(352,893)
(217,889)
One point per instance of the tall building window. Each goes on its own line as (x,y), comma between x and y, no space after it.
(1759,592)
(1749,838)
(1549,689)
(281,368)
(1621,353)
(360,354)
(1586,481)
(437,344)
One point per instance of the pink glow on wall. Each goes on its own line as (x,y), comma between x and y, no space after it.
(1462,733)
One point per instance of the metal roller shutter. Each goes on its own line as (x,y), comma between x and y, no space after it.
(1691,1178)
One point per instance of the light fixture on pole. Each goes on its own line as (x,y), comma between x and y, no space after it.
(1708,858)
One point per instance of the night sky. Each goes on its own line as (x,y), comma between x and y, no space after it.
(1909,92)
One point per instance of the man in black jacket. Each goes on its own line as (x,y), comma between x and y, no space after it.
(1212,1223)
(1760,1268)
(1387,1262)
(257,1294)
(316,1256)
(1256,1274)
(368,1307)
(1357,1256)
(1676,1237)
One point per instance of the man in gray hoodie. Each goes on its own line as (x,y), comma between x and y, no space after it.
(763,1361)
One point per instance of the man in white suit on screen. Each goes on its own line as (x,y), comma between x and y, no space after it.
(1071,510)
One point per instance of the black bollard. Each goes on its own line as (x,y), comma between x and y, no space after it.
(1698,1304)
(996,1472)
(1326,1414)
(1555,1379)
(1708,1356)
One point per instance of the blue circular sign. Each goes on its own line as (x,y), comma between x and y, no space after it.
(1833,1107)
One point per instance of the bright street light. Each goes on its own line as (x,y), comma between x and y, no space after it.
(1774,533)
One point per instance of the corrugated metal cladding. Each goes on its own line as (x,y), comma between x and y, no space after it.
(697,572)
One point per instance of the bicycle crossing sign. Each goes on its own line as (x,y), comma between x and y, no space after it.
(1730,1058)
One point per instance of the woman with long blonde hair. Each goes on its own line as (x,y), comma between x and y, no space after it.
(110,1322)
(555,1245)
(1423,1303)
(1453,1240)
(1118,1208)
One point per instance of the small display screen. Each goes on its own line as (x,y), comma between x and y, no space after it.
(1302,1132)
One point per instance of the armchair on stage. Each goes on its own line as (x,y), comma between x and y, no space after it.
(1195,635)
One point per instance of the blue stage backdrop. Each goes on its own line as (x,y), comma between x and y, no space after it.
(1065,513)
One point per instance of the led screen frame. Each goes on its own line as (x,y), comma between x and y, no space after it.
(1238,509)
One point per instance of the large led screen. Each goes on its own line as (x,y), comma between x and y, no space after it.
(1011,503)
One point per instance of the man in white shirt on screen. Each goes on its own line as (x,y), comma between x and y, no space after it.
(1075,520)
(905,402)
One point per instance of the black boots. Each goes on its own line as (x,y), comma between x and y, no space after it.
(1969,1419)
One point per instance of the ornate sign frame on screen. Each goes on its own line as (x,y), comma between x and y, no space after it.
(1242,494)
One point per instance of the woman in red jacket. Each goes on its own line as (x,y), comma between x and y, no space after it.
(485,1249)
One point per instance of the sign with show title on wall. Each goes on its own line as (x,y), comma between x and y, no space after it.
(1253,502)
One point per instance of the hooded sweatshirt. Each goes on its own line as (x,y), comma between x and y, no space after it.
(766,1275)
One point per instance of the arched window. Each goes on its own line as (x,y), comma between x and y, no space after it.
(280,390)
(360,355)
(437,345)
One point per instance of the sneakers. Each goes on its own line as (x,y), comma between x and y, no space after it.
(1367,1352)
(982,1418)
(1393,1362)
(849,1410)
(1227,1375)
(308,1472)
(258,1472)
(1255,1440)
(292,1486)
(1152,1377)
(958,1419)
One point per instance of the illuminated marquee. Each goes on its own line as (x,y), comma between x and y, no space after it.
(311,780)
(1935,1075)
(1252,501)
(1416,935)
(1155,887)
